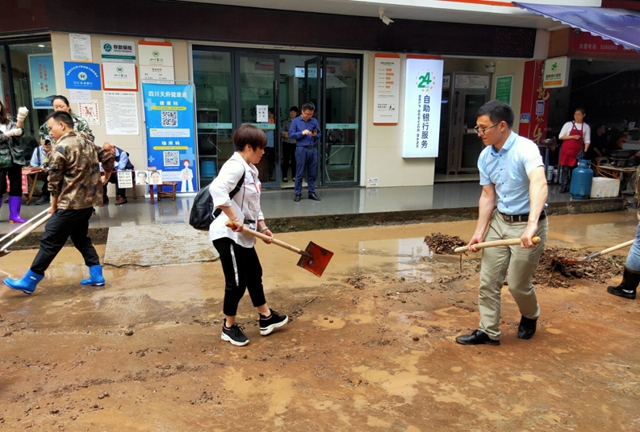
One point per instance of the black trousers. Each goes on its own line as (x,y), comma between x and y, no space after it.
(15,180)
(242,271)
(62,225)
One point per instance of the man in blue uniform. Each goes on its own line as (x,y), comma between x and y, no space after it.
(306,131)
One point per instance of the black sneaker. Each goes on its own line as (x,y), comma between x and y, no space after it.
(234,335)
(42,200)
(268,325)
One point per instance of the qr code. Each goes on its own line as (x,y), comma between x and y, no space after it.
(171,158)
(169,118)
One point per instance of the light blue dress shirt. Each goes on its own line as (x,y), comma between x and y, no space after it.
(509,171)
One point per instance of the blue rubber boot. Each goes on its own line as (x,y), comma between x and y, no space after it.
(27,284)
(95,276)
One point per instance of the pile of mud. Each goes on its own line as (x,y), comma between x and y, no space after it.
(442,243)
(555,271)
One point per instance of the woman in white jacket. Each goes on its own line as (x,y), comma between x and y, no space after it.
(240,263)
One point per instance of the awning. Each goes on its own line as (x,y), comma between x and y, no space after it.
(618,25)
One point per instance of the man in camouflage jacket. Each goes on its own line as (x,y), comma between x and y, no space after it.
(75,185)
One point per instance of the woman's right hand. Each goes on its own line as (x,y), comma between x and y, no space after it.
(236,225)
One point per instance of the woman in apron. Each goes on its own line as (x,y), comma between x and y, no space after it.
(577,137)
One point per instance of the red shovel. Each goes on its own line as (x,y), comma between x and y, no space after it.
(314,258)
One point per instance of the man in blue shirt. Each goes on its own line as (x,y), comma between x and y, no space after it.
(122,163)
(514,193)
(306,131)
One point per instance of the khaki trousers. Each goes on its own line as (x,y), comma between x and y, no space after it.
(517,264)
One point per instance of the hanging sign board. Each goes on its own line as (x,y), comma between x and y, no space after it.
(556,72)
(422,103)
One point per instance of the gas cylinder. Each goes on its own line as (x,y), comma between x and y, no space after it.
(581,179)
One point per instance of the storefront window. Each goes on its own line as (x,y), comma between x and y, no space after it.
(20,77)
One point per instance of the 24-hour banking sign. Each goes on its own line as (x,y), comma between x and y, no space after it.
(170,119)
(422,98)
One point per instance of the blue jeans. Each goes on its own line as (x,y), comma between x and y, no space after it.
(306,158)
(633,259)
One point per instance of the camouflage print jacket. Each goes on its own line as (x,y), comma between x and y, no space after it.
(79,125)
(74,175)
(11,149)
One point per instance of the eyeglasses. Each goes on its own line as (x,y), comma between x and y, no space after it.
(481,131)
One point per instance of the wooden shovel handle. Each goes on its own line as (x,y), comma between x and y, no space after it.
(275,241)
(507,242)
(611,249)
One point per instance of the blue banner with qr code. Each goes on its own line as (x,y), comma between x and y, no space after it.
(170,125)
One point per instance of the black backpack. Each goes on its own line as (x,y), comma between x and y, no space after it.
(202,214)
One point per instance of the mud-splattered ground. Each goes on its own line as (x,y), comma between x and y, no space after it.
(370,345)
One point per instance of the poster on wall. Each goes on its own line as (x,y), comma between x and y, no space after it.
(121,113)
(120,51)
(120,76)
(504,85)
(82,76)
(386,89)
(43,80)
(80,45)
(89,112)
(170,130)
(422,99)
(156,61)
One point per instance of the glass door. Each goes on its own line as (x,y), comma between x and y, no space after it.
(258,84)
(342,114)
(312,93)
(214,86)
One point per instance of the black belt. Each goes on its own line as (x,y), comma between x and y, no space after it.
(308,147)
(520,218)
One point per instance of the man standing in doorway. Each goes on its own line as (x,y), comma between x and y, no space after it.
(306,131)
(514,192)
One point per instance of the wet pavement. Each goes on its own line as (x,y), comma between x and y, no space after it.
(339,208)
(370,345)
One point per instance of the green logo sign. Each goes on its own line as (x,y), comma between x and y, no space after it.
(155,54)
(554,66)
(82,76)
(119,69)
(425,80)
(107,47)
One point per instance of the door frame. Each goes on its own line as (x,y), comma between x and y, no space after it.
(235,52)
